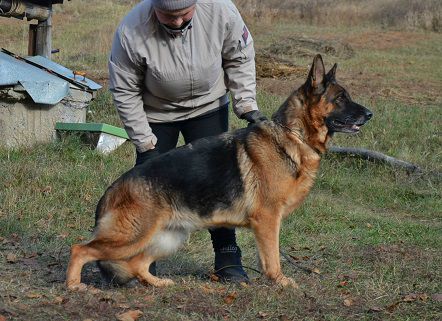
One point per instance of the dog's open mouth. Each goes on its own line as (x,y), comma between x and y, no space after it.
(344,127)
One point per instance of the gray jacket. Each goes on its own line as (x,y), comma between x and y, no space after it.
(157,77)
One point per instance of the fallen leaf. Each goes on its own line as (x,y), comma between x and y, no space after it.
(33,295)
(107,299)
(46,190)
(59,300)
(214,278)
(208,290)
(345,292)
(348,302)
(11,258)
(316,271)
(93,290)
(63,235)
(80,238)
(375,309)
(148,298)
(342,284)
(411,297)
(423,297)
(393,307)
(437,297)
(88,197)
(131,315)
(2,318)
(262,314)
(283,318)
(31,255)
(230,297)
(369,225)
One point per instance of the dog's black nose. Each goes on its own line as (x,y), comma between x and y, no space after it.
(368,114)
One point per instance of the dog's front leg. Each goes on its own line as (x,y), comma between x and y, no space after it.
(266,230)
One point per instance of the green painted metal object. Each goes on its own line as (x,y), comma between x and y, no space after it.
(93,127)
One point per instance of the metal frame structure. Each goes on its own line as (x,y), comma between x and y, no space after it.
(40,34)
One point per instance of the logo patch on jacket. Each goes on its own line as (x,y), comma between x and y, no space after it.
(245,36)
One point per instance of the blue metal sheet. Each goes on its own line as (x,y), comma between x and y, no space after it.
(46,92)
(43,87)
(49,64)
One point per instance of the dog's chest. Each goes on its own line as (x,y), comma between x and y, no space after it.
(301,185)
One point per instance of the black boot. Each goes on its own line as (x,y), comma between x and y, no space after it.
(228,266)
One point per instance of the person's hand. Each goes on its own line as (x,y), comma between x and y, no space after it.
(145,156)
(253,117)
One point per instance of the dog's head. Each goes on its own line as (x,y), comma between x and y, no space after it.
(330,104)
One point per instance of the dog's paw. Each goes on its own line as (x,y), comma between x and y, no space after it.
(78,287)
(163,283)
(285,281)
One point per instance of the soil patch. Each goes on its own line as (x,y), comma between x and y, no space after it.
(271,66)
(309,47)
(384,40)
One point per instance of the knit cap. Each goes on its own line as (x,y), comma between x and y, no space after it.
(172,5)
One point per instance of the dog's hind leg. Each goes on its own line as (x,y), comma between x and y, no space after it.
(139,266)
(266,229)
(162,244)
(80,255)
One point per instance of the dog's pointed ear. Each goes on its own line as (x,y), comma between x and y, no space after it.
(331,75)
(316,76)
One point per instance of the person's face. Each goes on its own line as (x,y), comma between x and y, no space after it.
(175,19)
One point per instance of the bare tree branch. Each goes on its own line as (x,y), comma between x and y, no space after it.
(375,156)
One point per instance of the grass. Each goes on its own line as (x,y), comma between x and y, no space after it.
(370,232)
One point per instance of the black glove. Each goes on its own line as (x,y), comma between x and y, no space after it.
(253,117)
(145,156)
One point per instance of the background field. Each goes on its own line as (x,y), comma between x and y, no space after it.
(366,243)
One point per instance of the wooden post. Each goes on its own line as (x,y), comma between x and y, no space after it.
(43,38)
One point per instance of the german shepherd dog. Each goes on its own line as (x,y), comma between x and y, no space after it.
(252,177)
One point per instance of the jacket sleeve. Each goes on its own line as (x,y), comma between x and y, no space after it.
(239,64)
(126,79)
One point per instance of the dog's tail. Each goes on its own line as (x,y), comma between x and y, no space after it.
(115,272)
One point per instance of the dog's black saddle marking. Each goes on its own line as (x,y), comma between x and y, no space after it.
(203,176)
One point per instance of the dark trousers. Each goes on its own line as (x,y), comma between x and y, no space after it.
(210,124)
